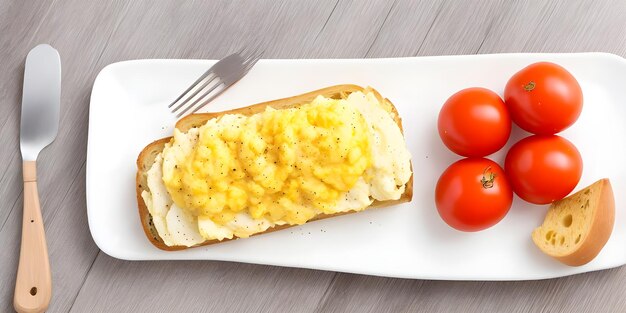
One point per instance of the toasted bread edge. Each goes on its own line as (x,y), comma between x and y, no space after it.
(598,232)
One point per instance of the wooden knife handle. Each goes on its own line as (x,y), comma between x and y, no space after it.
(33,285)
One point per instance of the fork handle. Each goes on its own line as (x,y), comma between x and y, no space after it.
(33,285)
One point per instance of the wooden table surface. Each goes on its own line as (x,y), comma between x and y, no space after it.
(91,34)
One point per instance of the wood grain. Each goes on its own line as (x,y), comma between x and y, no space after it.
(91,34)
(33,286)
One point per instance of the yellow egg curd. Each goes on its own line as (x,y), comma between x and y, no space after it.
(284,166)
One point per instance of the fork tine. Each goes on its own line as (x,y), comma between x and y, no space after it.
(253,52)
(245,50)
(199,80)
(219,92)
(195,93)
(247,66)
(251,62)
(206,93)
(254,48)
(202,103)
(255,57)
(248,55)
(248,63)
(204,75)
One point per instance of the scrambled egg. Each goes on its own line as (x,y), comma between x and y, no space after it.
(238,175)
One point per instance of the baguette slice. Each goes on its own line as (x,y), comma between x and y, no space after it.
(149,153)
(577,227)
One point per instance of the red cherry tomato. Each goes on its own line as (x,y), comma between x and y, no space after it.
(473,194)
(543,168)
(543,98)
(474,122)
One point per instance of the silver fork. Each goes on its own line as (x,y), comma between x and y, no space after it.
(215,81)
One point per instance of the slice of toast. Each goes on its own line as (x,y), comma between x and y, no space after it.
(577,227)
(149,153)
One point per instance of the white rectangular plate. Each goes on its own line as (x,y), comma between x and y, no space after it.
(128,111)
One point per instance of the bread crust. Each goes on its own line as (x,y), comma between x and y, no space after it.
(599,231)
(149,153)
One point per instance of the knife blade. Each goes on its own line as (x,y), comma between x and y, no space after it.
(41,103)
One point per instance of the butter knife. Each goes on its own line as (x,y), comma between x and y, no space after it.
(41,102)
